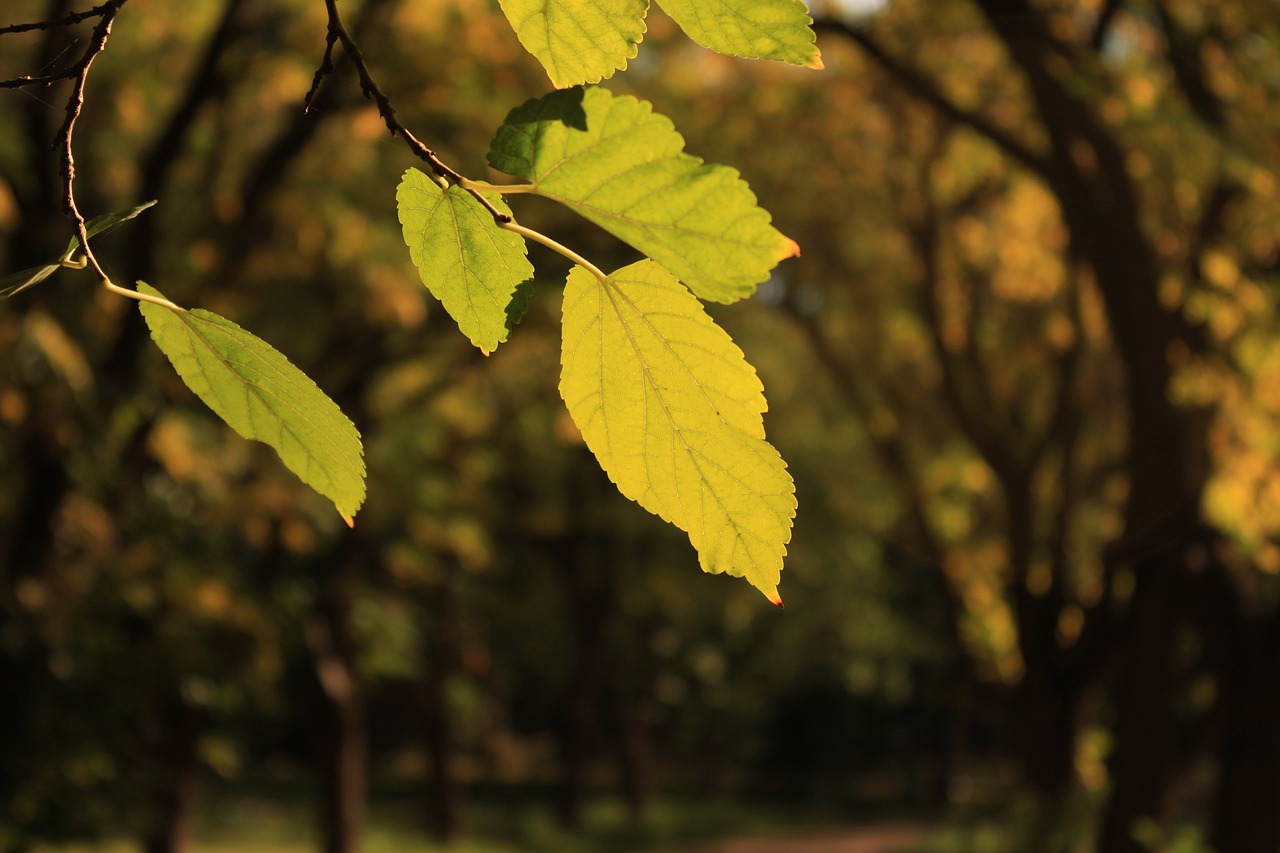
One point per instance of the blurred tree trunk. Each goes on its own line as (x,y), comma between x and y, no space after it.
(1143,764)
(178,786)
(586,561)
(441,657)
(1085,168)
(1246,805)
(635,753)
(344,746)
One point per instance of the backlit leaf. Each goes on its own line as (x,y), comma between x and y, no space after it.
(622,166)
(673,412)
(758,29)
(262,396)
(578,41)
(469,264)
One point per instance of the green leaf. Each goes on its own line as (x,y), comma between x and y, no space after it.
(260,395)
(106,222)
(15,283)
(578,41)
(673,412)
(468,263)
(622,166)
(758,29)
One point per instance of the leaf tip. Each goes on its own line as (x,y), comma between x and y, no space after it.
(774,598)
(790,249)
(816,62)
(351,522)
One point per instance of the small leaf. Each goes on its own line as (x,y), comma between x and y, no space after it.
(673,412)
(468,263)
(578,41)
(622,166)
(106,222)
(15,283)
(260,395)
(757,29)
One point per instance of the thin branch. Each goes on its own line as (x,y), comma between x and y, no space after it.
(105,12)
(325,69)
(926,90)
(371,91)
(75,103)
(69,20)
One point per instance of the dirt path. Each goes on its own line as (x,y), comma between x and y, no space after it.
(889,838)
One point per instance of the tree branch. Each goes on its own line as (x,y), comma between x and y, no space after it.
(75,103)
(68,20)
(338,32)
(919,85)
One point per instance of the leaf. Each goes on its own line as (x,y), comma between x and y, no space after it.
(106,222)
(15,283)
(468,263)
(578,41)
(260,395)
(757,29)
(622,166)
(673,412)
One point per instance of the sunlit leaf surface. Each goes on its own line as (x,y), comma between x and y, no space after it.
(468,263)
(673,412)
(622,166)
(262,396)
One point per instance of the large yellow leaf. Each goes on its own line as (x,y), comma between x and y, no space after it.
(672,410)
(578,41)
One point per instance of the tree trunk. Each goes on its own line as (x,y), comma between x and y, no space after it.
(1246,807)
(1144,765)
(177,791)
(344,746)
(635,755)
(586,564)
(444,792)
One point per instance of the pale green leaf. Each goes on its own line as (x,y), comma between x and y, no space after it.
(673,412)
(622,166)
(106,222)
(468,263)
(758,29)
(260,395)
(15,283)
(578,41)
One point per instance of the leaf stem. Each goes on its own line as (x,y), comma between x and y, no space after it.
(558,248)
(505,189)
(142,297)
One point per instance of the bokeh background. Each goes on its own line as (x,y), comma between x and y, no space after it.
(1024,374)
